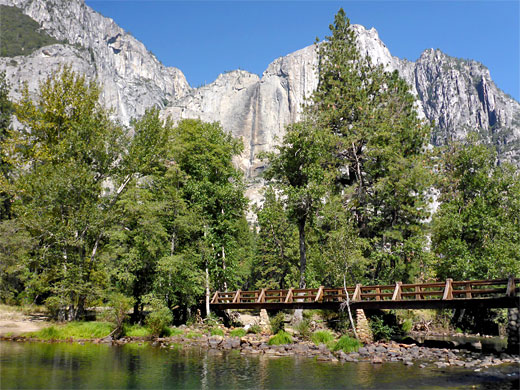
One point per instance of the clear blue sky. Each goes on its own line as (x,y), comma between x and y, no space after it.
(205,38)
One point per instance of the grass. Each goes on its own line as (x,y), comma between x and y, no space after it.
(239,332)
(193,335)
(136,331)
(282,337)
(347,344)
(175,331)
(322,337)
(74,330)
(216,332)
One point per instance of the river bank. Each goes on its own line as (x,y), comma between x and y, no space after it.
(258,344)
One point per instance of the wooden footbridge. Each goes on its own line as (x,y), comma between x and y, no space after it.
(497,293)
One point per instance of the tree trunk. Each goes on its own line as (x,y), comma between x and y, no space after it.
(207,291)
(303,252)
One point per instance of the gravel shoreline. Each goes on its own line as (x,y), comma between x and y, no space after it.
(376,353)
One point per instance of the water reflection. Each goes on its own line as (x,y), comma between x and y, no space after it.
(59,366)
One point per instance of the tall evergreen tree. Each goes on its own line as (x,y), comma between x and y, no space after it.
(380,150)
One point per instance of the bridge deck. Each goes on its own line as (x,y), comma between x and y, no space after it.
(497,293)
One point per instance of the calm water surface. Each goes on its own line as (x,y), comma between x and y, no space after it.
(91,366)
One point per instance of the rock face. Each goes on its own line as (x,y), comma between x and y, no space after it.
(457,95)
(132,79)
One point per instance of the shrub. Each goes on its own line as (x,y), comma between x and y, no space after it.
(239,332)
(282,337)
(158,320)
(322,337)
(407,326)
(303,328)
(119,305)
(380,330)
(347,344)
(216,332)
(255,329)
(277,323)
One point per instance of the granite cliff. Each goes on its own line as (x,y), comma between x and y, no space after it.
(458,96)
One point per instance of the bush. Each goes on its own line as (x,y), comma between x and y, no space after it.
(322,337)
(158,320)
(282,337)
(380,330)
(239,332)
(277,323)
(216,332)
(255,329)
(347,344)
(303,328)
(407,326)
(119,305)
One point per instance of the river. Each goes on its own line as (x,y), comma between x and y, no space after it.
(92,366)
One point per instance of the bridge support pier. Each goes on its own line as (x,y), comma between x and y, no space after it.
(363,327)
(513,331)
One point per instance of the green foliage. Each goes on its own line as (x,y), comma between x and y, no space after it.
(21,35)
(136,330)
(158,320)
(255,329)
(119,306)
(378,154)
(175,331)
(6,111)
(74,330)
(381,330)
(303,328)
(65,150)
(280,338)
(407,326)
(476,231)
(277,323)
(322,337)
(239,332)
(347,344)
(193,335)
(298,171)
(216,332)
(277,249)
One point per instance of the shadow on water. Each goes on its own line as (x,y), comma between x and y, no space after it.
(132,366)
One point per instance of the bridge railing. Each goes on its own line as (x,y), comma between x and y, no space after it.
(448,290)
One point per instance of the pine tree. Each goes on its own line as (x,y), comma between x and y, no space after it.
(379,150)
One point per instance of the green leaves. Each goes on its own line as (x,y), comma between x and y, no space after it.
(476,231)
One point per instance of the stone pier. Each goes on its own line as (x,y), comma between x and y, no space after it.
(513,331)
(363,327)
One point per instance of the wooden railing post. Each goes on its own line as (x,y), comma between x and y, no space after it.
(261,297)
(236,299)
(448,290)
(397,292)
(319,294)
(511,287)
(215,297)
(289,297)
(357,293)
(467,286)
(378,291)
(418,292)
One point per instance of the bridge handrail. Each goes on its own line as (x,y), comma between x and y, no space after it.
(447,290)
